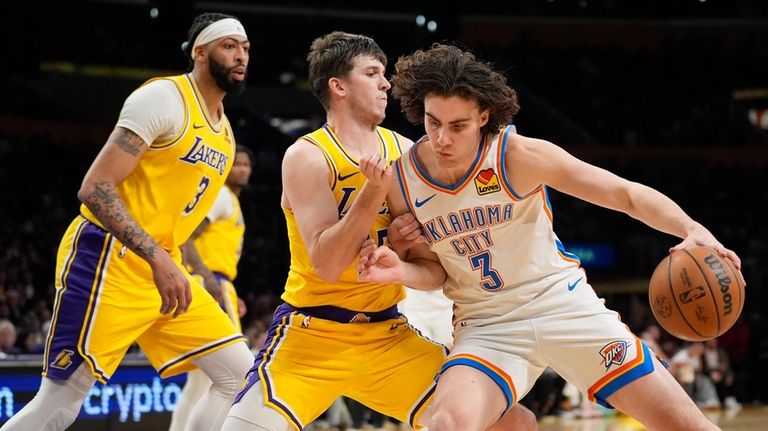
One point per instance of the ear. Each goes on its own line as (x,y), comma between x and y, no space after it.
(484,116)
(336,86)
(199,52)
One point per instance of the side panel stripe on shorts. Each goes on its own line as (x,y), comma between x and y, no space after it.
(421,405)
(278,334)
(57,300)
(495,373)
(79,278)
(642,365)
(91,309)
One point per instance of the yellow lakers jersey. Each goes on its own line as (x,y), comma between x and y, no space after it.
(221,243)
(304,287)
(176,182)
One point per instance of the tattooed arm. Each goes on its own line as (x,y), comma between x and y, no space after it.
(118,158)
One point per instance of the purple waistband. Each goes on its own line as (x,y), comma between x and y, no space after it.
(342,315)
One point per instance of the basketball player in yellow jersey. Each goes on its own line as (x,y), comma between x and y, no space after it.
(212,253)
(119,277)
(335,335)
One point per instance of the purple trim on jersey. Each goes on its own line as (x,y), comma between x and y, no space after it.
(642,369)
(383,144)
(79,285)
(420,404)
(275,333)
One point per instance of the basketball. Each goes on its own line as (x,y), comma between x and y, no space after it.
(695,294)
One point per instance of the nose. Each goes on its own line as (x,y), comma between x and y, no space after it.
(241,54)
(385,83)
(442,138)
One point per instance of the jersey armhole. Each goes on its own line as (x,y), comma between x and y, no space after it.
(328,160)
(184,126)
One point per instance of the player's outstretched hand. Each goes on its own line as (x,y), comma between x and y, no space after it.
(703,237)
(378,264)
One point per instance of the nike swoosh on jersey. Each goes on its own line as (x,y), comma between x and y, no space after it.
(572,286)
(197,126)
(419,203)
(344,177)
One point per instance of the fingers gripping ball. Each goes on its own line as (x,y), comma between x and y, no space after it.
(695,294)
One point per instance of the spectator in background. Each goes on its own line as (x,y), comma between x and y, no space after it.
(717,367)
(686,366)
(652,338)
(736,343)
(7,339)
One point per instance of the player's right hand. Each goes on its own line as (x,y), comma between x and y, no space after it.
(172,285)
(378,171)
(213,286)
(405,232)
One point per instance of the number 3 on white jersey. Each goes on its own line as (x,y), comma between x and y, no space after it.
(491,279)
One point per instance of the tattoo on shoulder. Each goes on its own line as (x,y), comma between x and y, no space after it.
(128,141)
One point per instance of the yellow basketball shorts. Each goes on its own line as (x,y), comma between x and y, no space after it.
(228,301)
(106,300)
(307,362)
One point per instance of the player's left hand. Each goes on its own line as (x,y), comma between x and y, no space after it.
(378,264)
(703,237)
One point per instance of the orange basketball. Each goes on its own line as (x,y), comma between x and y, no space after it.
(695,294)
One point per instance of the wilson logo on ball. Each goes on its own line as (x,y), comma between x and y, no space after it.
(723,280)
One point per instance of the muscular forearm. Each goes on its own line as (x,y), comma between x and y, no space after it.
(104,201)
(336,247)
(192,258)
(423,274)
(660,212)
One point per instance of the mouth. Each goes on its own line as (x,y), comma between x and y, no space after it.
(239,73)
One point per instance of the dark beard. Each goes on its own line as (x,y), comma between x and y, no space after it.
(220,74)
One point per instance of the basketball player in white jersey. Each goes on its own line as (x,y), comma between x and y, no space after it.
(119,274)
(521,301)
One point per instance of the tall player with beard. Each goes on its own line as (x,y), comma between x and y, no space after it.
(119,277)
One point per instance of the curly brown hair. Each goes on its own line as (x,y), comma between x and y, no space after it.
(331,56)
(447,70)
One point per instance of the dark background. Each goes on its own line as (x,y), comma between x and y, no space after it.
(672,94)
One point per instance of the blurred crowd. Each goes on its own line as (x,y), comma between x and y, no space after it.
(676,95)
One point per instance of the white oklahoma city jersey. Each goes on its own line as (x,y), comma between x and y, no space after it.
(498,248)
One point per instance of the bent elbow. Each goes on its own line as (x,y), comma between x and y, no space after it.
(85,191)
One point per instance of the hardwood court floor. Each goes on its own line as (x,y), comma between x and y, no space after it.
(744,419)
